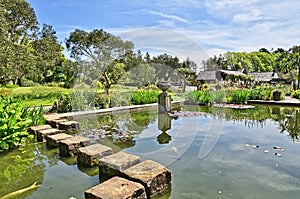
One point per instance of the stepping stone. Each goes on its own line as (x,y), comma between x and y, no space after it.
(52,117)
(70,146)
(53,140)
(55,123)
(68,125)
(90,155)
(152,175)
(113,165)
(33,130)
(41,134)
(117,188)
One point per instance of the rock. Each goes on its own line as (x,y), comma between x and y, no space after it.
(68,125)
(114,164)
(90,155)
(33,130)
(41,134)
(53,140)
(152,175)
(70,146)
(116,188)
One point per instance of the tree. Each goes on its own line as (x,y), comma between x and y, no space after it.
(105,53)
(49,56)
(165,66)
(18,28)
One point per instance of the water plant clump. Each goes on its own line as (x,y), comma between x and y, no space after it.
(14,119)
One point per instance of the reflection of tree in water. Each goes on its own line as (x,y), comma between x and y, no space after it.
(291,125)
(140,120)
(287,117)
(21,168)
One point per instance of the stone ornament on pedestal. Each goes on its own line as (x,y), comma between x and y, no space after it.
(164,99)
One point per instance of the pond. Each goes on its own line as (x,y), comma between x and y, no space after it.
(221,153)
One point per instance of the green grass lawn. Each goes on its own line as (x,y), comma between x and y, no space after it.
(46,95)
(35,96)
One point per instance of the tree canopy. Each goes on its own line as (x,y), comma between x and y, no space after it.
(104,55)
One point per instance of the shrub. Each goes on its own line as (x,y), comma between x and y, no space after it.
(296,94)
(218,96)
(63,104)
(238,96)
(14,119)
(144,97)
(102,100)
(201,97)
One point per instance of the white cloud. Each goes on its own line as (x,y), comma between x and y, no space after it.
(168,16)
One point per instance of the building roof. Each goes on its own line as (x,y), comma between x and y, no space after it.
(262,76)
(231,72)
(207,76)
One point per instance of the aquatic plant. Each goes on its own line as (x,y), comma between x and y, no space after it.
(14,119)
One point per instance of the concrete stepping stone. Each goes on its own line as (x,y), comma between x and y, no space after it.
(90,155)
(69,147)
(116,188)
(33,130)
(152,175)
(52,117)
(53,140)
(68,125)
(55,123)
(41,134)
(113,165)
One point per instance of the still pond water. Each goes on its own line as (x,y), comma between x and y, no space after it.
(223,153)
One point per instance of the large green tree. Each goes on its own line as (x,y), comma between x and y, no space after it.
(49,56)
(18,28)
(104,55)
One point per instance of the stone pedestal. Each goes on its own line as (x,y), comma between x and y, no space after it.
(53,140)
(89,156)
(164,102)
(113,165)
(69,147)
(41,134)
(68,125)
(33,130)
(152,175)
(116,188)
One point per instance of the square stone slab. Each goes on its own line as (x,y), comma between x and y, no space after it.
(116,188)
(113,165)
(54,123)
(53,140)
(33,130)
(154,176)
(70,146)
(52,117)
(68,125)
(41,134)
(90,155)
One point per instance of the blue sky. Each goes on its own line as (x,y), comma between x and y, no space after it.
(213,26)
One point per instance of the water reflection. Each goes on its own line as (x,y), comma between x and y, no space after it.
(287,117)
(164,124)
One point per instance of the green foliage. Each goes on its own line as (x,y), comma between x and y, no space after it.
(218,96)
(144,97)
(63,104)
(102,100)
(238,96)
(14,119)
(296,94)
(265,92)
(201,97)
(106,54)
